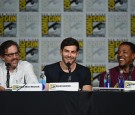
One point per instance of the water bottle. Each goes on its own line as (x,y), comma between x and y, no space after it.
(43,80)
(107,79)
(121,80)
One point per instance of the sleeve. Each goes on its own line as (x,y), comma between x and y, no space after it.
(88,77)
(30,76)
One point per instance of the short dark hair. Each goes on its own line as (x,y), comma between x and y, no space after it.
(5,45)
(130,44)
(69,42)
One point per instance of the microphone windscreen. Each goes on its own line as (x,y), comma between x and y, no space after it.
(131,66)
(8,64)
(68,65)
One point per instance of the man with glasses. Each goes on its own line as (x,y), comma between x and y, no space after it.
(13,70)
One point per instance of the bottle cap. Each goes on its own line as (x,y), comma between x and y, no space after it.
(121,71)
(107,71)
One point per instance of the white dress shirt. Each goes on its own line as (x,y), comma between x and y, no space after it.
(24,73)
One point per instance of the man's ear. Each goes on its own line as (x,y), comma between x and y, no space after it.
(77,53)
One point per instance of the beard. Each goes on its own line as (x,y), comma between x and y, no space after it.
(14,63)
(70,60)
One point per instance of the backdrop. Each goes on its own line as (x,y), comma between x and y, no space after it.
(39,26)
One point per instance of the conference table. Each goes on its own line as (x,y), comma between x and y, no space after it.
(67,103)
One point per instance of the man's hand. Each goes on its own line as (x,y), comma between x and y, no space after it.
(87,88)
(2,88)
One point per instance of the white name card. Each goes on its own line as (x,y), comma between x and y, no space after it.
(129,85)
(27,87)
(64,86)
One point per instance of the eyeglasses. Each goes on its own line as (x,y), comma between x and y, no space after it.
(12,54)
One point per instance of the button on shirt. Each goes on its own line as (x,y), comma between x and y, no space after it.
(24,73)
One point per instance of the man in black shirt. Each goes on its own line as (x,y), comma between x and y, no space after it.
(68,70)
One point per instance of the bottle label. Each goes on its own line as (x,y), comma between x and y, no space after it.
(121,83)
(106,83)
(43,83)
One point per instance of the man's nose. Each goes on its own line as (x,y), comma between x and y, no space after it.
(69,53)
(120,54)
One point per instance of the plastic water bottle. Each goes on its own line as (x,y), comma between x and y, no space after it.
(43,80)
(107,79)
(121,80)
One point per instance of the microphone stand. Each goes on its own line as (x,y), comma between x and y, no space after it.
(23,85)
(69,69)
(8,75)
(69,77)
(130,72)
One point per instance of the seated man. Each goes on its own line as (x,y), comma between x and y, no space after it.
(125,57)
(13,70)
(59,72)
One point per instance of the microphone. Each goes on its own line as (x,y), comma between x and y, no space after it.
(8,65)
(25,83)
(68,65)
(21,87)
(130,72)
(69,69)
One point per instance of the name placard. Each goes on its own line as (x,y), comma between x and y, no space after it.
(27,87)
(129,85)
(64,86)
